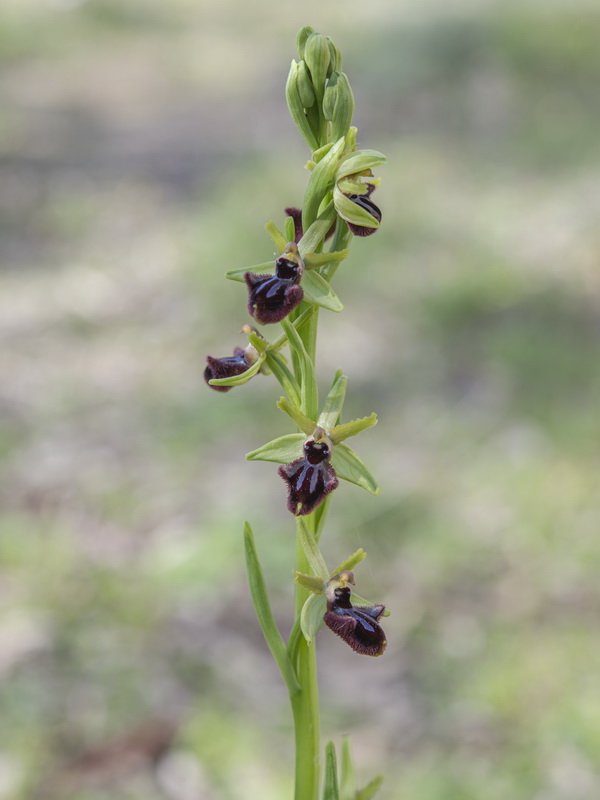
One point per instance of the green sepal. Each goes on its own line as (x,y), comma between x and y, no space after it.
(330,786)
(360,162)
(278,238)
(311,616)
(301,38)
(349,564)
(317,57)
(316,260)
(258,269)
(260,598)
(333,403)
(282,450)
(319,229)
(288,382)
(371,789)
(311,550)
(352,212)
(296,108)
(359,601)
(304,423)
(320,182)
(347,429)
(347,775)
(310,582)
(243,377)
(308,385)
(349,467)
(319,292)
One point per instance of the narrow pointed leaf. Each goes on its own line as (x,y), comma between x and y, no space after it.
(319,292)
(352,212)
(347,775)
(371,789)
(243,377)
(341,432)
(349,564)
(349,467)
(330,786)
(281,450)
(258,269)
(258,592)
(318,230)
(311,616)
(311,550)
(309,398)
(333,403)
(304,423)
(279,368)
(320,182)
(310,582)
(316,260)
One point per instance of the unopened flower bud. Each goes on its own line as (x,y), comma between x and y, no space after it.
(317,57)
(304,86)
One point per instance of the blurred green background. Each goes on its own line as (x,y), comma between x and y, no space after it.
(143,145)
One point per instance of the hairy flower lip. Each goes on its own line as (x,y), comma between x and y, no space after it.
(358,626)
(226,367)
(309,478)
(271,298)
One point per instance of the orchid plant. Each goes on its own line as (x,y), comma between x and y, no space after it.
(290,291)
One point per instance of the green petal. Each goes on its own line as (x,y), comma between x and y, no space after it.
(278,238)
(349,467)
(319,292)
(341,432)
(260,598)
(281,451)
(243,377)
(304,423)
(349,564)
(311,616)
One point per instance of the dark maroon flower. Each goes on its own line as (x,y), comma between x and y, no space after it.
(365,202)
(226,368)
(358,626)
(272,297)
(309,478)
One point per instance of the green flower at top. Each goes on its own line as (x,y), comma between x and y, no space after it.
(314,459)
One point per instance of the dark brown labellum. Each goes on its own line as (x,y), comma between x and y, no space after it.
(365,202)
(309,478)
(289,270)
(225,368)
(271,298)
(358,626)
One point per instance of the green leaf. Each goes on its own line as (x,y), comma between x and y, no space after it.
(243,377)
(371,789)
(308,383)
(319,292)
(281,451)
(359,162)
(330,786)
(341,432)
(349,467)
(279,368)
(349,564)
(333,403)
(352,212)
(320,182)
(259,269)
(278,238)
(304,423)
(347,776)
(319,229)
(310,582)
(316,260)
(311,616)
(258,592)
(311,550)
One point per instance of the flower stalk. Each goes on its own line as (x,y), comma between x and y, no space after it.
(290,291)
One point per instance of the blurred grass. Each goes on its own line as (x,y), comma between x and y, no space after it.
(142,148)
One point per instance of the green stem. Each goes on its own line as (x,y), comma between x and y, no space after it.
(305,703)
